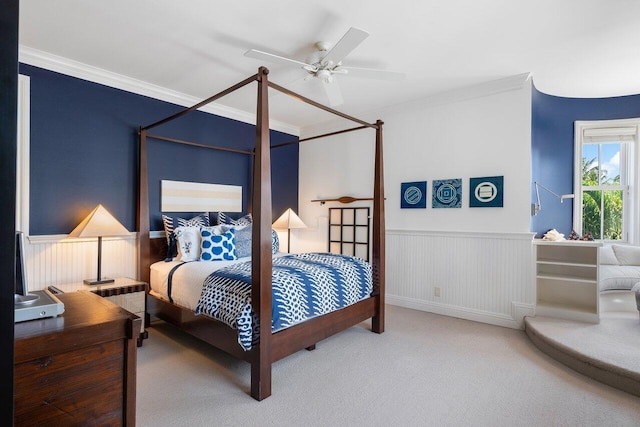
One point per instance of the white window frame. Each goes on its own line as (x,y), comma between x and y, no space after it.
(22,154)
(628,160)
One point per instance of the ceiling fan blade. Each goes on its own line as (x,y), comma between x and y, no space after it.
(370,73)
(265,56)
(333,92)
(347,43)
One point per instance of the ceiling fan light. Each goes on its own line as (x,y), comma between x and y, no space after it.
(324,75)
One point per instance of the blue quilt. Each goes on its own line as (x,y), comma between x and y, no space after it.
(303,285)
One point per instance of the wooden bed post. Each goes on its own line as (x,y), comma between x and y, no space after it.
(144,245)
(261,244)
(378,255)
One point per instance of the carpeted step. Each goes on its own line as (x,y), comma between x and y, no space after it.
(624,375)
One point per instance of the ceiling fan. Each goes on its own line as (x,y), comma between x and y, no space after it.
(326,62)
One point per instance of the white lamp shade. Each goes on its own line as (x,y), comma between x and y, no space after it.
(99,223)
(289,220)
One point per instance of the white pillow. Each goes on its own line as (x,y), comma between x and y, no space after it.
(188,243)
(627,255)
(607,256)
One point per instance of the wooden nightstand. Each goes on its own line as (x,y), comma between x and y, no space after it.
(78,368)
(127,293)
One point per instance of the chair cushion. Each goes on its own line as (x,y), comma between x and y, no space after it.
(618,277)
(627,255)
(607,256)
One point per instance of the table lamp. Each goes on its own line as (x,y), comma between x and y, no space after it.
(99,223)
(287,221)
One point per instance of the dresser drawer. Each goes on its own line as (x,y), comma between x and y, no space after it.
(80,387)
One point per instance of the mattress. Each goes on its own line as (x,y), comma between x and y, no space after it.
(303,286)
(186,279)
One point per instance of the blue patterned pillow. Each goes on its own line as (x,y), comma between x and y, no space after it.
(218,247)
(275,242)
(223,218)
(243,241)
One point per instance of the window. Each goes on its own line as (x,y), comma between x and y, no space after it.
(22,154)
(606,180)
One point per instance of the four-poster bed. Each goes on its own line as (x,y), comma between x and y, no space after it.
(271,346)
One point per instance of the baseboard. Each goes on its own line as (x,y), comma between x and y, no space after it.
(514,321)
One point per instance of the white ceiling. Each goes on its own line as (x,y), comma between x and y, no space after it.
(575,48)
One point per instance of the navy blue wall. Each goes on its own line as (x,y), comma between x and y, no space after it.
(84,148)
(552,140)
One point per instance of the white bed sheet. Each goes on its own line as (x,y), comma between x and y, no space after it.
(187,281)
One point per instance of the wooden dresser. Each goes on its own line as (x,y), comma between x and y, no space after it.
(78,368)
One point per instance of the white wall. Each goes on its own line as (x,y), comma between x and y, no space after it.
(481,131)
(60,261)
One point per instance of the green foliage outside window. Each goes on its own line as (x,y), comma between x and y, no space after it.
(596,212)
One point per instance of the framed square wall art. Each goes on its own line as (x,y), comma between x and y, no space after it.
(447,193)
(486,192)
(413,195)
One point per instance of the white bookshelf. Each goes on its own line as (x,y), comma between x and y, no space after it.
(567,280)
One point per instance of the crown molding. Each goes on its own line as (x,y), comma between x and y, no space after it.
(93,74)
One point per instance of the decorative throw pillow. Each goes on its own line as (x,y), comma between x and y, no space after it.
(217,229)
(243,241)
(223,218)
(627,254)
(188,243)
(275,242)
(218,247)
(607,256)
(172,222)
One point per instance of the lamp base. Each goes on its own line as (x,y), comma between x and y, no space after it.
(97,282)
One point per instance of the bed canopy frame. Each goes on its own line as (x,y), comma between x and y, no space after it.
(271,346)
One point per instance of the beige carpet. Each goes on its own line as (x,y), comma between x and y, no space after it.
(425,370)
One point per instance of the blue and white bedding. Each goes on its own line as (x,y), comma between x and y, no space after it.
(304,286)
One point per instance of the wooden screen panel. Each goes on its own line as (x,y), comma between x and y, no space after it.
(349,231)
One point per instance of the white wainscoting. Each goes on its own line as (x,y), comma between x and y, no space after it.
(58,260)
(485,277)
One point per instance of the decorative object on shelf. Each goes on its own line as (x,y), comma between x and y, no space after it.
(99,223)
(287,221)
(537,206)
(486,192)
(553,235)
(343,199)
(587,236)
(447,193)
(413,195)
(575,236)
